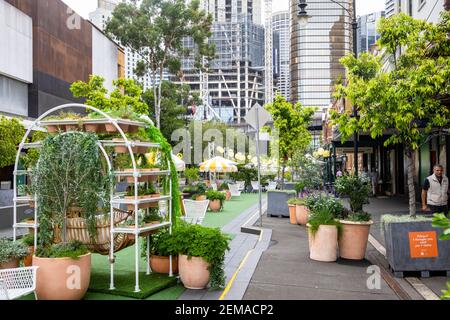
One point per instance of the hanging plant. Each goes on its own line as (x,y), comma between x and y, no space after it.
(69,173)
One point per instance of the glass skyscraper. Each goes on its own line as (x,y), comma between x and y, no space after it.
(367,31)
(316,50)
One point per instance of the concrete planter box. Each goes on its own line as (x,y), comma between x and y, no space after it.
(410,246)
(277,203)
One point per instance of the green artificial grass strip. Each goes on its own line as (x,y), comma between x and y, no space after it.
(232,209)
(124,283)
(172,293)
(124,276)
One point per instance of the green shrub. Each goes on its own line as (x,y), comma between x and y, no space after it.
(327,202)
(300,186)
(11,134)
(12,250)
(322,216)
(357,188)
(207,243)
(28,240)
(192,174)
(297,201)
(73,249)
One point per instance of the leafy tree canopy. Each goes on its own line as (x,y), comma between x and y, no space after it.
(11,134)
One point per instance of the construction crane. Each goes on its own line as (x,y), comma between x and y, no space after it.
(268,53)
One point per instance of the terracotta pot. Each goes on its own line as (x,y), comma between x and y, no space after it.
(353,240)
(194,272)
(228,195)
(11,264)
(292,217)
(62,278)
(133,129)
(324,244)
(214,205)
(71,127)
(301,214)
(201,198)
(153,178)
(110,128)
(160,264)
(52,129)
(124,127)
(130,179)
(28,260)
(91,127)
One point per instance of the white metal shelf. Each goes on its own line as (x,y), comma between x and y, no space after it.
(31,145)
(22,172)
(141,230)
(139,201)
(26,225)
(23,199)
(141,173)
(111,143)
(62,122)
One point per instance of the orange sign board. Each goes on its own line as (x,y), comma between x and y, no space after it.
(423,244)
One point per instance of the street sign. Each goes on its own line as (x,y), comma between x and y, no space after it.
(257,117)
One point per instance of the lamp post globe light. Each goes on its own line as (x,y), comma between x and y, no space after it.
(303,19)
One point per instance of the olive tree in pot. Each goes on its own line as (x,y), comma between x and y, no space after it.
(356,225)
(69,172)
(11,253)
(201,255)
(323,227)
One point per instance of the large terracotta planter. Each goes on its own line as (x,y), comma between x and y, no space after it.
(160,264)
(214,205)
(353,240)
(292,217)
(323,244)
(62,278)
(194,272)
(301,214)
(11,264)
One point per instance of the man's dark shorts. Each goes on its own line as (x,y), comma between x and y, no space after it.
(438,209)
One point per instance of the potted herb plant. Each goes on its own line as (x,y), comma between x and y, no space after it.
(216,200)
(224,188)
(323,227)
(28,240)
(145,191)
(356,225)
(200,192)
(11,253)
(64,271)
(201,255)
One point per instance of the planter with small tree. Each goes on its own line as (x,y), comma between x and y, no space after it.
(356,225)
(11,253)
(216,200)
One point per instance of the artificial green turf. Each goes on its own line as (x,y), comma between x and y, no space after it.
(232,209)
(124,276)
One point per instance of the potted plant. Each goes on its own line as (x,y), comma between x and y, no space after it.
(28,240)
(64,271)
(323,235)
(301,212)
(201,255)
(355,226)
(11,253)
(145,191)
(323,227)
(291,204)
(216,199)
(162,246)
(224,187)
(200,194)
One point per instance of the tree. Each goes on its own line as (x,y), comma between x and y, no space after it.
(404,98)
(11,134)
(291,122)
(175,100)
(155,29)
(126,94)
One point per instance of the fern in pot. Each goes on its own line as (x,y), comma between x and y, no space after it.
(216,200)
(11,253)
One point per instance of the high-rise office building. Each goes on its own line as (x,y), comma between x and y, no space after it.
(99,18)
(281,25)
(235,80)
(316,50)
(391,8)
(367,31)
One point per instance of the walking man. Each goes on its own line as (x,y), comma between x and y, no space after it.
(435,192)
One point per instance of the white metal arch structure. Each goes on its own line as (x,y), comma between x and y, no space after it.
(114,200)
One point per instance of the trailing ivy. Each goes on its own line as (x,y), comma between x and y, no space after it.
(68,173)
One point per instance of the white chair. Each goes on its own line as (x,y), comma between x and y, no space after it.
(214,186)
(234,190)
(241,185)
(17,282)
(195,211)
(272,186)
(255,186)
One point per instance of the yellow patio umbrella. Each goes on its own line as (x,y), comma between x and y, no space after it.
(218,164)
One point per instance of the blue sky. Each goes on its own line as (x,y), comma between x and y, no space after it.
(83,7)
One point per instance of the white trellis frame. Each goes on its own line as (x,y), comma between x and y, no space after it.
(114,200)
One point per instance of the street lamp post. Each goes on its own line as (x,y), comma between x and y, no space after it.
(303,18)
